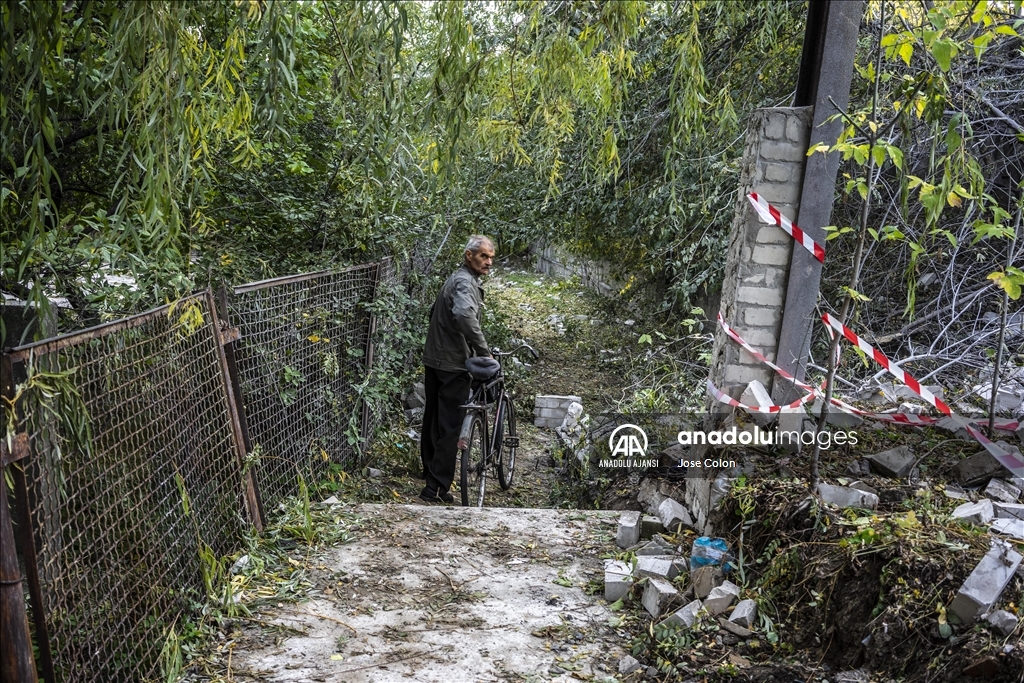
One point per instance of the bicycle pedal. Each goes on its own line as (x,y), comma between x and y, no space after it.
(510,442)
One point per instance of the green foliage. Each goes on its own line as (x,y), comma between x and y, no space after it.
(911,131)
(186,143)
(111,116)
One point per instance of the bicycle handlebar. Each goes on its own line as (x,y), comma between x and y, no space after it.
(533,352)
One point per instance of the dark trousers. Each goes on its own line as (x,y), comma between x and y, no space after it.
(442,420)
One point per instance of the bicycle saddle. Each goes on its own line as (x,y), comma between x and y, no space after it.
(482,368)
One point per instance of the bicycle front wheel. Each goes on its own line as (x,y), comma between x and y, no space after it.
(473,472)
(505,442)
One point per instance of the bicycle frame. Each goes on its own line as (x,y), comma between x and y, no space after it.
(478,405)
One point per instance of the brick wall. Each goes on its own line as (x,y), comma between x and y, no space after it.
(757,266)
(754,287)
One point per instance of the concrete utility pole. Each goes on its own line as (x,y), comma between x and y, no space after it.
(826,70)
(770,289)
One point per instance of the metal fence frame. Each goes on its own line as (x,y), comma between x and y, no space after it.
(306,346)
(227,366)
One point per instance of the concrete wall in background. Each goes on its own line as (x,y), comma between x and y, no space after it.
(556,261)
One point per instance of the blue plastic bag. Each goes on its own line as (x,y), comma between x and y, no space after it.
(710,551)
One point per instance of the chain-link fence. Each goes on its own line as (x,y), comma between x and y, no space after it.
(133,476)
(147,444)
(304,352)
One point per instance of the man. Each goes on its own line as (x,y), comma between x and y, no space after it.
(454,335)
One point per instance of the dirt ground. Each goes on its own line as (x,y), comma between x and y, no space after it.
(432,593)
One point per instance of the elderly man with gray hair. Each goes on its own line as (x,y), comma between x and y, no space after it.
(454,335)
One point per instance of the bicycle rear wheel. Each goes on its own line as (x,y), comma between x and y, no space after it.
(505,442)
(473,472)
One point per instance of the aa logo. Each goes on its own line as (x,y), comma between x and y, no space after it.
(628,441)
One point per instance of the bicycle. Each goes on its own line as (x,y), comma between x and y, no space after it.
(479,450)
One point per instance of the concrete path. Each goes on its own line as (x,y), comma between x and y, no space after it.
(431,593)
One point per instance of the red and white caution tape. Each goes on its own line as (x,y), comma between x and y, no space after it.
(1011,460)
(769,214)
(895,370)
(729,400)
(895,418)
(731,333)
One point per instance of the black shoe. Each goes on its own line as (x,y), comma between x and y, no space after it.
(430,495)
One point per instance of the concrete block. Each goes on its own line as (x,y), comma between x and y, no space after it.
(775,126)
(772,234)
(628,533)
(762,317)
(779,193)
(658,595)
(781,150)
(1002,622)
(662,566)
(1006,398)
(797,130)
(721,598)
(1008,510)
(771,254)
(744,613)
(743,373)
(705,579)
(778,173)
(955,426)
(650,525)
(660,540)
(837,418)
(672,514)
(775,277)
(760,337)
(760,295)
(685,616)
(975,513)
(978,469)
(955,492)
(650,550)
(861,675)
(1014,528)
(650,497)
(861,486)
(555,402)
(734,628)
(618,579)
(846,497)
(986,583)
(896,462)
(859,468)
(756,395)
(416,398)
(1002,491)
(628,665)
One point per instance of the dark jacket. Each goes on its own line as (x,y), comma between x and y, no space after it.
(454,333)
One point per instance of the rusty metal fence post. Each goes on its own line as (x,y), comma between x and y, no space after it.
(365,417)
(226,341)
(17,665)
